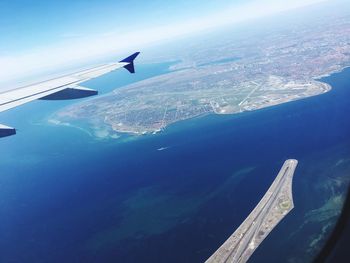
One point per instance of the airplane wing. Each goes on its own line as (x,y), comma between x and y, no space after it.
(65,87)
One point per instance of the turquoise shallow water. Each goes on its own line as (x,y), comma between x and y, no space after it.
(68,197)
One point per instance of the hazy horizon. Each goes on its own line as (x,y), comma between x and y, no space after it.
(49,52)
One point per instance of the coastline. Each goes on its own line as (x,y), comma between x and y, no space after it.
(112,131)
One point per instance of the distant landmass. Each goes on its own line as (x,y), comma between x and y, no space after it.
(244,73)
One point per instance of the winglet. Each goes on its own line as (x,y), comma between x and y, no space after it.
(130,67)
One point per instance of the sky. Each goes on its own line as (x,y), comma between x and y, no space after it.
(45,35)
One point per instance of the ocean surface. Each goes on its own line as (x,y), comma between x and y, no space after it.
(176,196)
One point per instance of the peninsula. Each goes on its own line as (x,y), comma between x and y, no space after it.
(268,68)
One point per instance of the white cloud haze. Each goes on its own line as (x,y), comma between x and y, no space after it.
(84,48)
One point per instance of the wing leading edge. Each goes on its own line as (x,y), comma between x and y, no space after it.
(62,88)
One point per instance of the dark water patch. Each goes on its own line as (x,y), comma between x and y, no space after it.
(69,198)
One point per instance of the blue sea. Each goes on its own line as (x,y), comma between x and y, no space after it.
(176,196)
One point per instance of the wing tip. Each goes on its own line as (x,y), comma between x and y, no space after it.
(130,60)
